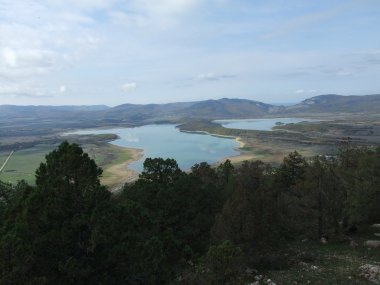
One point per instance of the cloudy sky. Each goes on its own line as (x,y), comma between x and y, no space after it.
(154,51)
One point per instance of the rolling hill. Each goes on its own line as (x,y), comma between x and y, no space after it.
(226,109)
(338,103)
(26,120)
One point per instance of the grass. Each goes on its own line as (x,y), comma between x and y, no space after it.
(107,155)
(333,263)
(23,163)
(259,153)
(305,127)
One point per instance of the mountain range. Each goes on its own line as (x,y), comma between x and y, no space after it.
(136,114)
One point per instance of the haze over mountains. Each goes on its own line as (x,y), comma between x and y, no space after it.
(133,114)
(336,103)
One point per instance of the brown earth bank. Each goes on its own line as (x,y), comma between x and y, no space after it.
(116,175)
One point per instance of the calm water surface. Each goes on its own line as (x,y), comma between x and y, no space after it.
(259,124)
(168,142)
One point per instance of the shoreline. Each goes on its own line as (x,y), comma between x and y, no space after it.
(207,133)
(120,173)
(117,175)
(242,156)
(237,139)
(123,174)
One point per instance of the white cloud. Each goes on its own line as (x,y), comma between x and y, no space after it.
(211,76)
(343,72)
(62,89)
(129,86)
(25,63)
(128,19)
(158,14)
(175,45)
(37,38)
(24,91)
(83,5)
(207,76)
(303,21)
(302,91)
(77,18)
(165,7)
(9,57)
(30,58)
(30,90)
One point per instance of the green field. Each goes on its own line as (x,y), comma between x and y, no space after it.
(23,163)
(335,263)
(106,156)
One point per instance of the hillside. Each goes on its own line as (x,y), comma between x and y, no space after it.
(45,111)
(226,109)
(27,120)
(300,222)
(137,113)
(235,108)
(209,109)
(338,103)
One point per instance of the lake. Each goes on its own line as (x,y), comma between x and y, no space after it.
(187,149)
(260,124)
(168,142)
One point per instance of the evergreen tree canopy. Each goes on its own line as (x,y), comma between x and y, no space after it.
(68,165)
(54,230)
(159,170)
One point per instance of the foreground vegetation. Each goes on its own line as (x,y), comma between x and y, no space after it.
(221,225)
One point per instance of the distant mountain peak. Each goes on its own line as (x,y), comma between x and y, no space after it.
(224,108)
(332,103)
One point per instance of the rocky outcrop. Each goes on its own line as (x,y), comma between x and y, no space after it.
(372,243)
(370,272)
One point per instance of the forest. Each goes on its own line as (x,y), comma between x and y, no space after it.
(209,225)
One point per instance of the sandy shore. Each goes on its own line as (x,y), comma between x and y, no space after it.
(240,157)
(119,174)
(270,154)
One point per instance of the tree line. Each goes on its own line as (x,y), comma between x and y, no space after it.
(174,227)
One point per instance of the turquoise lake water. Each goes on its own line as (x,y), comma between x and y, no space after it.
(260,124)
(186,148)
(168,142)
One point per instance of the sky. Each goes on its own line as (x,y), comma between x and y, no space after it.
(86,52)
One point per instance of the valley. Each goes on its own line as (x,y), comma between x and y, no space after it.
(319,127)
